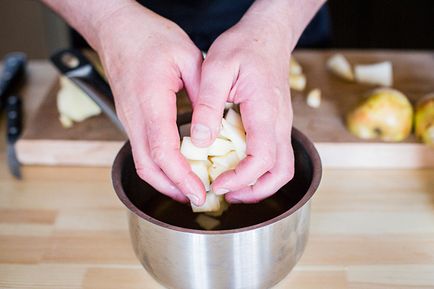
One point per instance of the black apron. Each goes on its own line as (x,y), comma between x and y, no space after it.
(205,20)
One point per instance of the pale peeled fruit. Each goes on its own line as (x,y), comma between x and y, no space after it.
(340,66)
(229,161)
(424,119)
(73,104)
(297,82)
(212,203)
(207,222)
(208,163)
(223,207)
(295,67)
(192,152)
(236,136)
(220,147)
(222,164)
(233,118)
(385,113)
(229,105)
(200,168)
(216,170)
(313,98)
(377,73)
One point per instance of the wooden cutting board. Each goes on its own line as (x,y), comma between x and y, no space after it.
(96,141)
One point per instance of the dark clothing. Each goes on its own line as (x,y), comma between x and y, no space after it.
(205,20)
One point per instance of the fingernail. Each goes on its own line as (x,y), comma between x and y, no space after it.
(221,191)
(201,133)
(193,199)
(234,201)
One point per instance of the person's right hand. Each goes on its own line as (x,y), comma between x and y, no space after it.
(147,59)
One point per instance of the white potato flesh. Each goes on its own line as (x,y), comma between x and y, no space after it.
(313,98)
(295,67)
(200,168)
(297,82)
(234,119)
(207,222)
(340,66)
(220,147)
(73,104)
(223,207)
(377,73)
(228,161)
(229,105)
(212,204)
(236,136)
(215,170)
(192,152)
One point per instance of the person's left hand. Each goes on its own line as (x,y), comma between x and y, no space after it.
(249,65)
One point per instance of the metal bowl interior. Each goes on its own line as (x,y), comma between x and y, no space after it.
(150,205)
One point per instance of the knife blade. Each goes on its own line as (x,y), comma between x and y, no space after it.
(74,65)
(13,129)
(12,76)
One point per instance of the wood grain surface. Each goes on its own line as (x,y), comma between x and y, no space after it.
(64,228)
(95,141)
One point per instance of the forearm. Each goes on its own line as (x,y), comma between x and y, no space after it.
(88,16)
(289,17)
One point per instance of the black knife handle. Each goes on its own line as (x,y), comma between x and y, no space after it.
(13,71)
(74,65)
(14,118)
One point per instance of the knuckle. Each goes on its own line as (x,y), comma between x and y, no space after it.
(266,159)
(158,154)
(287,173)
(143,173)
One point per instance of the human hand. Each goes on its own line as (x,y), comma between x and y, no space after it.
(249,65)
(147,59)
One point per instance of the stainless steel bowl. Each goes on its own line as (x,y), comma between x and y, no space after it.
(255,246)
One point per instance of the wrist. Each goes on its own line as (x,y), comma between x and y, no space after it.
(286,19)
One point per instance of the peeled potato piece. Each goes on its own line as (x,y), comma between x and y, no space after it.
(216,170)
(229,105)
(377,73)
(73,104)
(192,152)
(200,168)
(220,147)
(237,136)
(228,161)
(223,207)
(212,204)
(207,222)
(340,66)
(297,82)
(313,98)
(234,119)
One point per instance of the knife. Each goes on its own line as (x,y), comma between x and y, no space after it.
(74,65)
(13,128)
(12,76)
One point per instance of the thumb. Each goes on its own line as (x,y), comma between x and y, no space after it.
(216,83)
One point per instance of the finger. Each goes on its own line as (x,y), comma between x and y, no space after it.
(190,68)
(216,83)
(163,139)
(148,171)
(259,119)
(270,182)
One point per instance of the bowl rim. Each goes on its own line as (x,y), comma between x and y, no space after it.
(125,152)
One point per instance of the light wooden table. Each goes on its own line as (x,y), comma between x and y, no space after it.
(65,228)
